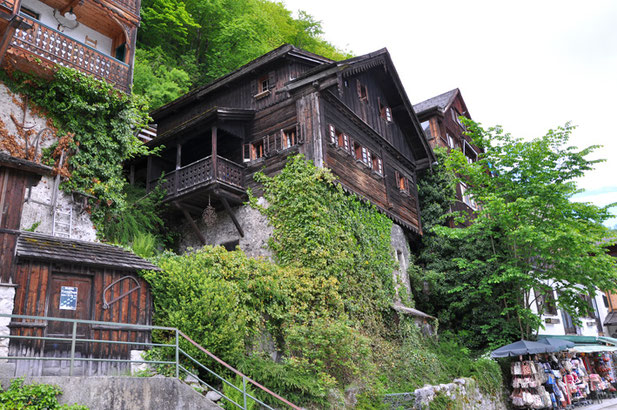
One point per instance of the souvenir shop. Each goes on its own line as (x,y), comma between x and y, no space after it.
(565,379)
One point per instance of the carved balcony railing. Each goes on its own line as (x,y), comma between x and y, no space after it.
(58,48)
(201,173)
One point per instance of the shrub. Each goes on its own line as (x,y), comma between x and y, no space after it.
(33,396)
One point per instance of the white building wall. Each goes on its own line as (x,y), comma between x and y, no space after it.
(37,211)
(104,43)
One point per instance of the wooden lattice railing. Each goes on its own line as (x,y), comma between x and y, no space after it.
(58,48)
(201,173)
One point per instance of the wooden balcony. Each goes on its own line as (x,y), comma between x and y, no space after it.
(203,175)
(56,47)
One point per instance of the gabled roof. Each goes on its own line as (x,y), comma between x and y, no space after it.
(34,246)
(200,92)
(420,147)
(441,102)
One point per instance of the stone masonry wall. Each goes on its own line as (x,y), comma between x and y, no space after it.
(464,394)
(7,301)
(254,224)
(38,208)
(401,255)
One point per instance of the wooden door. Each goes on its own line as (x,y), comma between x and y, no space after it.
(69,297)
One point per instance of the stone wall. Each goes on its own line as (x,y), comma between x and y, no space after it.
(254,224)
(7,301)
(400,247)
(18,121)
(128,393)
(463,393)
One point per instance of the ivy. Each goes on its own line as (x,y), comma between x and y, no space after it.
(96,127)
(320,227)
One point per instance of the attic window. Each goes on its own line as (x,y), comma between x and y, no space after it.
(362,92)
(264,84)
(386,112)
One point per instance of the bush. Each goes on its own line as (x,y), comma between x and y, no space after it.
(33,396)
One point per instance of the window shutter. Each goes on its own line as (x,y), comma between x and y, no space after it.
(254,86)
(397,179)
(359,88)
(271,80)
(273,143)
(246,152)
(299,136)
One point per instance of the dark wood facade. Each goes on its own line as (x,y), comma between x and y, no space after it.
(38,294)
(440,121)
(290,101)
(103,278)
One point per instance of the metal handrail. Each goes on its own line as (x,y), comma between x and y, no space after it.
(179,354)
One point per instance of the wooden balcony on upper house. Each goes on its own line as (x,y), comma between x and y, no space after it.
(96,37)
(200,164)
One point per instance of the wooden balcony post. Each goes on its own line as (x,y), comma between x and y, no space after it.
(178,166)
(148,172)
(214,159)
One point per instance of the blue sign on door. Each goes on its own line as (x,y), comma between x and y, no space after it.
(68,298)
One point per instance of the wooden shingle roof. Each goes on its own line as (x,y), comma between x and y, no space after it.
(442,101)
(34,246)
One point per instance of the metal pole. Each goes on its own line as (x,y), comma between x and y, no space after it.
(244,390)
(177,356)
(73,347)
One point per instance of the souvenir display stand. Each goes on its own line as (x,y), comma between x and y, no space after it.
(562,380)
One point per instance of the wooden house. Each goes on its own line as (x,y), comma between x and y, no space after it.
(96,37)
(37,273)
(351,116)
(440,119)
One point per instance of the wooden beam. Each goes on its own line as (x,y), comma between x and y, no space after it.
(233,217)
(189,218)
(214,164)
(5,41)
(69,6)
(178,166)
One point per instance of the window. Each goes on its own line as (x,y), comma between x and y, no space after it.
(257,149)
(467,199)
(450,140)
(343,141)
(545,301)
(385,112)
(362,92)
(332,132)
(377,165)
(605,300)
(401,182)
(264,84)
(289,138)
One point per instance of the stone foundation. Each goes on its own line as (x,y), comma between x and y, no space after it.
(7,300)
(224,232)
(463,393)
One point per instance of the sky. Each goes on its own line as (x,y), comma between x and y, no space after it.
(528,66)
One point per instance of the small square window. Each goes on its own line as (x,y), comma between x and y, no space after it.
(289,138)
(264,84)
(362,92)
(332,132)
(377,165)
(450,140)
(257,150)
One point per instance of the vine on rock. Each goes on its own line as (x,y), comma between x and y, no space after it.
(95,126)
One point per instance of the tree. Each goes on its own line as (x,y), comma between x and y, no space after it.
(528,234)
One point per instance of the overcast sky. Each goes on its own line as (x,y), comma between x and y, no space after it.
(527,65)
